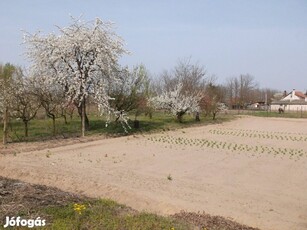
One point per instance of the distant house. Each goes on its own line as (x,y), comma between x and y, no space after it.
(259,105)
(294,101)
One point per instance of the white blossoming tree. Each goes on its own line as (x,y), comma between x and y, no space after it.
(177,102)
(81,58)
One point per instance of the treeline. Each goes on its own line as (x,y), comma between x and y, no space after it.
(184,89)
(80,67)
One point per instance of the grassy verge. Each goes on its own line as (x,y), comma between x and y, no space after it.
(258,113)
(59,210)
(41,129)
(107,214)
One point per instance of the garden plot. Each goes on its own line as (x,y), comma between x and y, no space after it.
(282,136)
(222,169)
(175,142)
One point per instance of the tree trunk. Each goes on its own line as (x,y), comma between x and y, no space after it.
(197,117)
(65,119)
(136,124)
(63,114)
(214,115)
(179,117)
(83,118)
(53,124)
(80,112)
(5,125)
(26,127)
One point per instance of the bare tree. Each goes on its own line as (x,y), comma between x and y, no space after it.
(26,104)
(247,85)
(51,97)
(191,76)
(212,98)
(240,90)
(232,86)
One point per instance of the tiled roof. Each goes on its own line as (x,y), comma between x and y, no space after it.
(300,94)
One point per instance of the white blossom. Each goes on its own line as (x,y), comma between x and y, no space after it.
(82,58)
(176,102)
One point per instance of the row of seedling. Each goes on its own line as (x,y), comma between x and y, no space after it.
(234,147)
(260,135)
(261,131)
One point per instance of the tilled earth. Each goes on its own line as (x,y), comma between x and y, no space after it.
(250,170)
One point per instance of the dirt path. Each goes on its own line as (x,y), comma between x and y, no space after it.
(251,170)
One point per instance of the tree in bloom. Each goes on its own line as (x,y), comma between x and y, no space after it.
(82,59)
(180,89)
(177,102)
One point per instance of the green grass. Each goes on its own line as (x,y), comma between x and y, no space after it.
(106,214)
(41,129)
(286,114)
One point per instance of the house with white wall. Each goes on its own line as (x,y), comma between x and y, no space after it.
(294,101)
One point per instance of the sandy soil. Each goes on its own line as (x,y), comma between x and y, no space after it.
(253,170)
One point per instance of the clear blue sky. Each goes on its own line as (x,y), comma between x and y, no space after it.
(267,39)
